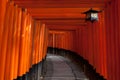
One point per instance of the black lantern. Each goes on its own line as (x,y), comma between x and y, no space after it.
(91,15)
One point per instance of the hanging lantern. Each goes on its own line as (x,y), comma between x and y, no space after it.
(91,15)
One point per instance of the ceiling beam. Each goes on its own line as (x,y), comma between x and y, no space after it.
(58,13)
(65,27)
(60,3)
(58,10)
(78,5)
(56,16)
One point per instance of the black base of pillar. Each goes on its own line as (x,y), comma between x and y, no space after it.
(19,78)
(34,73)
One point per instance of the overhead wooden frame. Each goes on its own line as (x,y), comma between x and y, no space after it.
(60,11)
(60,3)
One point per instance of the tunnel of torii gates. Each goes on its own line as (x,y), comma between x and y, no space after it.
(28,27)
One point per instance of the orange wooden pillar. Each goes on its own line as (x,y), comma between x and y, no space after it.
(10,26)
(56,40)
(103,44)
(10,67)
(108,45)
(46,42)
(80,41)
(35,54)
(63,43)
(9,45)
(42,41)
(27,42)
(2,17)
(107,17)
(39,41)
(4,38)
(50,41)
(44,45)
(112,30)
(22,45)
(90,43)
(118,35)
(17,42)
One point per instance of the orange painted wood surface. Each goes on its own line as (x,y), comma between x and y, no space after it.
(67,3)
(23,40)
(17,34)
(62,39)
(112,27)
(9,54)
(3,39)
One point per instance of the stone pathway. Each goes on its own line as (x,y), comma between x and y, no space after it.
(60,68)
